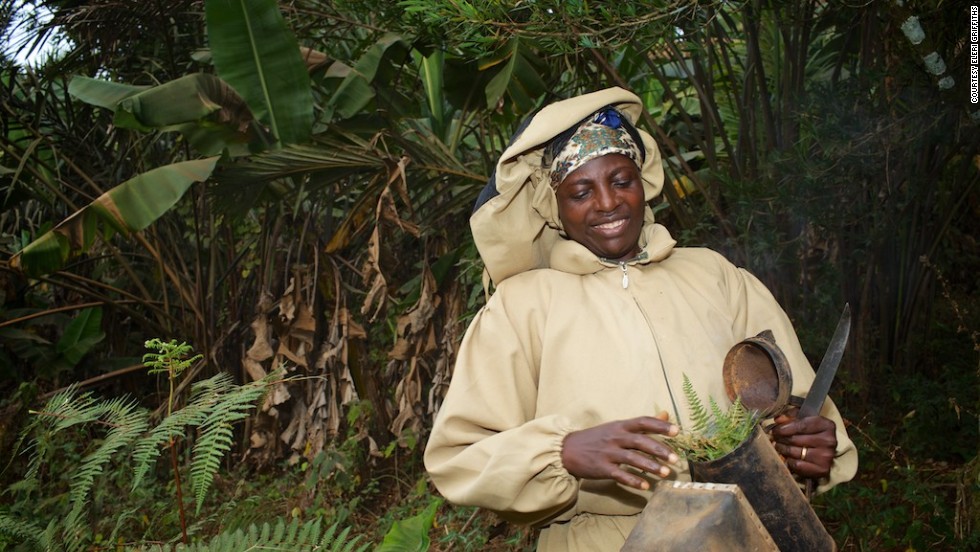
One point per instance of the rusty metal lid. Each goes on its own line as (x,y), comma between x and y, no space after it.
(757,371)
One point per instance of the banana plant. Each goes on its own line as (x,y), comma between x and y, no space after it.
(260,99)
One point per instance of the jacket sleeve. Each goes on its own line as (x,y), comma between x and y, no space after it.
(487,448)
(756,310)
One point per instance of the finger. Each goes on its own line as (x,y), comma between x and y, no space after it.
(651,424)
(651,447)
(644,463)
(629,479)
(817,464)
(804,426)
(795,452)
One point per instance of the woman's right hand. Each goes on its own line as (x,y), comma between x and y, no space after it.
(602,452)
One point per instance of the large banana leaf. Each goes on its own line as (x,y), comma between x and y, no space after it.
(102,93)
(258,56)
(355,92)
(520,77)
(208,112)
(81,334)
(129,207)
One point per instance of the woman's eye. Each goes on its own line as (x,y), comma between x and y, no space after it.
(623,183)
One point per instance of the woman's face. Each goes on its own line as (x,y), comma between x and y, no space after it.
(601,205)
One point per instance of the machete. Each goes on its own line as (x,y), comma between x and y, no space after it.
(828,367)
(825,376)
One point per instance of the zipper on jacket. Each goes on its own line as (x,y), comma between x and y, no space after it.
(626,278)
(656,342)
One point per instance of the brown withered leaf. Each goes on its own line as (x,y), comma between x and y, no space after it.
(296,342)
(377,294)
(260,351)
(399,180)
(449,340)
(415,320)
(408,396)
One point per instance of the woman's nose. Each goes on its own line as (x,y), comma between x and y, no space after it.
(606,198)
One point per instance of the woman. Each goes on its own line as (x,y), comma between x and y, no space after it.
(567,386)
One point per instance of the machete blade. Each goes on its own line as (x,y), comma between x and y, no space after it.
(828,367)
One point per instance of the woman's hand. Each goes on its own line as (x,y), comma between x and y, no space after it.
(808,444)
(601,452)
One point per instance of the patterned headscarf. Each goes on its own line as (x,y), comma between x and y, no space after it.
(601,134)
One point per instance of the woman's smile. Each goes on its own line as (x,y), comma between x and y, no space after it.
(611,228)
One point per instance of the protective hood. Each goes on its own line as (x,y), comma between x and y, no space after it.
(515,222)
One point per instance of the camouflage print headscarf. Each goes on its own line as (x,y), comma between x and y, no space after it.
(601,134)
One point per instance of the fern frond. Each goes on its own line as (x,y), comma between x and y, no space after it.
(70,408)
(341,543)
(719,418)
(20,531)
(148,449)
(292,536)
(71,530)
(67,408)
(205,394)
(699,415)
(217,434)
(126,421)
(715,431)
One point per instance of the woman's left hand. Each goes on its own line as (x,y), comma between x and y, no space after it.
(808,444)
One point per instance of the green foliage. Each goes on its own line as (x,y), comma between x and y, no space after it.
(171,357)
(32,348)
(255,52)
(807,144)
(214,405)
(81,334)
(129,207)
(125,421)
(715,432)
(899,502)
(229,404)
(209,114)
(412,534)
(301,537)
(19,531)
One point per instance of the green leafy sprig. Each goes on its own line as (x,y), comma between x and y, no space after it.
(715,432)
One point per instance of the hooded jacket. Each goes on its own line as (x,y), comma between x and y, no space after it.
(569,341)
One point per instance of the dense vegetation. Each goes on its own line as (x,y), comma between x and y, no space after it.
(285,188)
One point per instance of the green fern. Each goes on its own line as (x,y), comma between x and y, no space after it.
(214,405)
(205,395)
(217,432)
(699,415)
(292,536)
(174,426)
(125,421)
(714,431)
(15,530)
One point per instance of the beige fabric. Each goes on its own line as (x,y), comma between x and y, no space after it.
(558,350)
(563,346)
(516,230)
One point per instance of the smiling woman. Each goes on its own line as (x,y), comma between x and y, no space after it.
(565,392)
(600,205)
